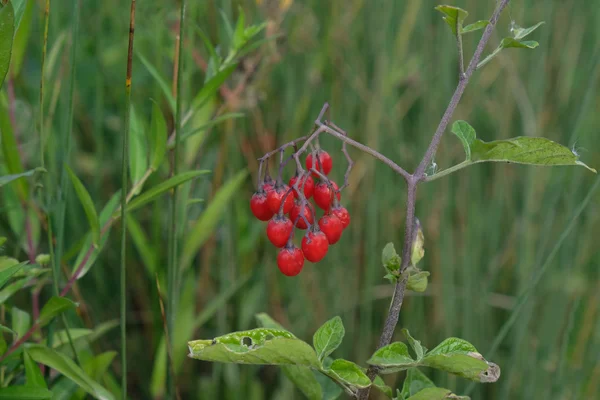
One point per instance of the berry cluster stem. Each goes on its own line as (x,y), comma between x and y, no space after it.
(418,176)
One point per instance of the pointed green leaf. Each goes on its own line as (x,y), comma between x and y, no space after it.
(257,346)
(511,42)
(158,130)
(436,394)
(305,380)
(24,393)
(390,259)
(33,374)
(88,205)
(475,26)
(453,16)
(21,321)
(239,39)
(349,374)
(162,83)
(204,226)
(11,289)
(68,368)
(55,306)
(138,154)
(160,189)
(393,357)
(8,267)
(266,321)
(22,33)
(525,150)
(382,387)
(6,179)
(328,337)
(415,344)
(211,86)
(520,33)
(88,253)
(202,128)
(414,382)
(7,28)
(417,282)
(10,150)
(466,134)
(459,357)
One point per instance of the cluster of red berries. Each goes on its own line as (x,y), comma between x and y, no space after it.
(284,207)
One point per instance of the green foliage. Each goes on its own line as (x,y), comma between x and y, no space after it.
(88,205)
(454,17)
(414,382)
(6,179)
(54,306)
(7,27)
(158,132)
(24,393)
(8,267)
(349,375)
(515,42)
(328,337)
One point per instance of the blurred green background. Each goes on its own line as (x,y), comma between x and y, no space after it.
(388,69)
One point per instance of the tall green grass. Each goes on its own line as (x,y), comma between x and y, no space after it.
(388,69)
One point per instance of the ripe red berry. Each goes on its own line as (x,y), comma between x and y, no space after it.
(259,206)
(332,227)
(342,214)
(309,186)
(323,165)
(290,260)
(314,246)
(275,197)
(323,195)
(279,230)
(305,210)
(267,187)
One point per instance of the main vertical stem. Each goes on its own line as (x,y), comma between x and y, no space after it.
(173,272)
(124,184)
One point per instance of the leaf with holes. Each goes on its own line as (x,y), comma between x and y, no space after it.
(257,346)
(454,17)
(328,337)
(459,357)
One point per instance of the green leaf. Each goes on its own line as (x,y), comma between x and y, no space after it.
(475,26)
(24,392)
(454,16)
(418,246)
(88,205)
(6,179)
(459,357)
(211,86)
(22,32)
(163,187)
(7,28)
(89,253)
(266,321)
(393,357)
(328,337)
(140,240)
(436,393)
(349,374)
(331,389)
(466,134)
(33,374)
(204,226)
(415,344)
(21,321)
(390,259)
(239,39)
(158,131)
(11,289)
(304,379)
(7,330)
(138,155)
(510,42)
(257,346)
(202,128)
(68,368)
(414,382)
(10,150)
(162,83)
(382,387)
(55,306)
(8,267)
(417,282)
(520,33)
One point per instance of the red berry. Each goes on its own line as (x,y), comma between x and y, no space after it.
(332,227)
(323,165)
(259,206)
(298,211)
(309,186)
(279,230)
(275,197)
(342,214)
(314,246)
(290,260)
(267,187)
(323,195)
